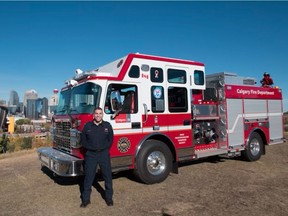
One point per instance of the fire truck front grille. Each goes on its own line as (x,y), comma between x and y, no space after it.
(62,136)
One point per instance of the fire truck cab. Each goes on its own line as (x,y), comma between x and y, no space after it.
(163,111)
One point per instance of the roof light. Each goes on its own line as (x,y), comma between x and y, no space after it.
(78,71)
(71,82)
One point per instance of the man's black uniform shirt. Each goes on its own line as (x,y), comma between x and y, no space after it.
(97,137)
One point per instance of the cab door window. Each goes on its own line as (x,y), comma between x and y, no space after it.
(176,76)
(177,99)
(157,99)
(121,98)
(198,77)
(156,75)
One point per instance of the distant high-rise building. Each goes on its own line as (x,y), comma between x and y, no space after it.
(21,109)
(12,109)
(14,98)
(30,94)
(39,106)
(2,102)
(54,98)
(53,102)
(31,109)
(42,107)
(13,103)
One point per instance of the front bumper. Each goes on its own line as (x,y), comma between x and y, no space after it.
(60,163)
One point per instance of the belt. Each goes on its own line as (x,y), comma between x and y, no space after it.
(97,150)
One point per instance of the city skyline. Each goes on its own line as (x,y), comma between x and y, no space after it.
(7,100)
(32,106)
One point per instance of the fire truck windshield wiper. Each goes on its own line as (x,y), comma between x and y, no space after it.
(64,109)
(72,110)
(113,116)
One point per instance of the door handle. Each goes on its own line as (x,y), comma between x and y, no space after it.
(187,122)
(136,125)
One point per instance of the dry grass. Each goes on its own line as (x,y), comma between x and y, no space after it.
(15,145)
(17,153)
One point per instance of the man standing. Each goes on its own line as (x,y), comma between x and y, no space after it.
(97,138)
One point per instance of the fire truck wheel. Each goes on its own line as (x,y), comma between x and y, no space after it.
(154,162)
(254,148)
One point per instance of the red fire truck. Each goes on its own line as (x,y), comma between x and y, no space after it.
(163,111)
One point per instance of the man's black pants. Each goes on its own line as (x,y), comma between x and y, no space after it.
(92,159)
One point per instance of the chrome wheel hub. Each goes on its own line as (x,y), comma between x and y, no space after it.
(254,147)
(156,163)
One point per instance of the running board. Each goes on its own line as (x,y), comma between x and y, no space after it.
(210,152)
(277,141)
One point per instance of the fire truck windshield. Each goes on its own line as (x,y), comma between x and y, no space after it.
(78,100)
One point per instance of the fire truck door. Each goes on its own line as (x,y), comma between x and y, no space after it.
(179,107)
(121,104)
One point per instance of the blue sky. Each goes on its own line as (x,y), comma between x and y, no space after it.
(42,43)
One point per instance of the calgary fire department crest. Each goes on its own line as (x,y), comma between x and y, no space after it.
(123,144)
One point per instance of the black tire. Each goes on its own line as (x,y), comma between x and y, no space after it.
(254,148)
(153,162)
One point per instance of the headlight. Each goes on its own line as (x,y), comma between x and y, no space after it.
(76,123)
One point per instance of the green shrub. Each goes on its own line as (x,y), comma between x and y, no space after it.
(17,141)
(11,147)
(4,143)
(27,143)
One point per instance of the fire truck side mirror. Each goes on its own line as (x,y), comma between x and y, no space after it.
(115,101)
(113,116)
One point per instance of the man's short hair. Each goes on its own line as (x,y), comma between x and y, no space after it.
(98,108)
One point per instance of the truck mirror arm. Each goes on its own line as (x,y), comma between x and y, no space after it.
(146,110)
(113,116)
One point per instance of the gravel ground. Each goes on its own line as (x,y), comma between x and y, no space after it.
(213,186)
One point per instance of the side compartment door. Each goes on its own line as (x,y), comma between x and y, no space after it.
(235,126)
(276,121)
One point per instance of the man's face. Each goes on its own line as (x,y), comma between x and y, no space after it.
(98,115)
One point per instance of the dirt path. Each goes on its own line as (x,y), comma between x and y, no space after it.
(207,187)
